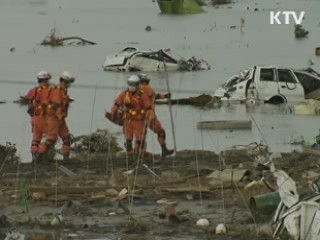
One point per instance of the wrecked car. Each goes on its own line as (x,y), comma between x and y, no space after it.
(132,59)
(179,6)
(270,84)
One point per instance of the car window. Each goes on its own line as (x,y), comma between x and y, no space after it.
(285,76)
(267,74)
(308,82)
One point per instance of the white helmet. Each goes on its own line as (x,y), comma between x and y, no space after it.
(65,75)
(133,80)
(43,75)
(144,78)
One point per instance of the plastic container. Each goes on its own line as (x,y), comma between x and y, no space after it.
(264,204)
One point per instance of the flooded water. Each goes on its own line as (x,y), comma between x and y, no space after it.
(116,24)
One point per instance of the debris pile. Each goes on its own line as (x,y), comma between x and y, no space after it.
(8,152)
(101,141)
(307,107)
(193,64)
(204,100)
(54,40)
(220,2)
(299,217)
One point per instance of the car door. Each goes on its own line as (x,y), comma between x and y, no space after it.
(266,83)
(289,85)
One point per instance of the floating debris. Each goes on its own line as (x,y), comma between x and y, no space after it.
(203,100)
(307,107)
(231,124)
(300,32)
(299,140)
(132,59)
(220,2)
(179,6)
(148,28)
(318,51)
(193,64)
(54,40)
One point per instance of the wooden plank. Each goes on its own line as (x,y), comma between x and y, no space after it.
(185,189)
(65,190)
(231,124)
(67,171)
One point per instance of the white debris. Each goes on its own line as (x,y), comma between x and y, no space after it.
(57,220)
(287,188)
(221,229)
(15,235)
(202,222)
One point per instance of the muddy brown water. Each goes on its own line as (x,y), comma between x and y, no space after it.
(115,25)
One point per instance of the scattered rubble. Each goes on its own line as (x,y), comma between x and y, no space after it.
(8,152)
(193,64)
(101,141)
(100,198)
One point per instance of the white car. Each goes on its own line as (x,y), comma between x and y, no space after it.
(132,59)
(270,84)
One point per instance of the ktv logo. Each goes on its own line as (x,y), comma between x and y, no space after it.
(286,17)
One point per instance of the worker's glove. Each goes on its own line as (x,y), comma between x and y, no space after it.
(110,116)
(167,95)
(31,110)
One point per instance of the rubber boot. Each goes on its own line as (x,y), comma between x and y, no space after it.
(165,151)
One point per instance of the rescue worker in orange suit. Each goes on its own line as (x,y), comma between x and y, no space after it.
(38,101)
(57,114)
(154,123)
(136,106)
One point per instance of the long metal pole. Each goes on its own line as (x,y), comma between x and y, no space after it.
(170,110)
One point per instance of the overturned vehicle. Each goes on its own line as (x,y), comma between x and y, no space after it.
(271,84)
(132,59)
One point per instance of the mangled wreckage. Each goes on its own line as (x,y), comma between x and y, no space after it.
(271,84)
(132,59)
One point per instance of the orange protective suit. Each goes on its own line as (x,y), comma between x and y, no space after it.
(39,99)
(154,123)
(136,109)
(56,123)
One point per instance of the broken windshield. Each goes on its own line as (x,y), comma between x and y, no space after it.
(308,82)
